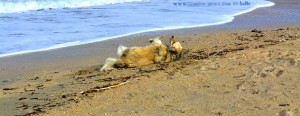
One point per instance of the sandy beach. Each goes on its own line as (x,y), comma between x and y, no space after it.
(250,66)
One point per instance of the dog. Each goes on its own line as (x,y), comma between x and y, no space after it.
(155,52)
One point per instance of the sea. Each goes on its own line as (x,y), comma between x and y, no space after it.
(39,25)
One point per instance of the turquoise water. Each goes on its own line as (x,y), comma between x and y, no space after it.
(36,25)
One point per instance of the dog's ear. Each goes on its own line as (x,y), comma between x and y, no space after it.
(172,40)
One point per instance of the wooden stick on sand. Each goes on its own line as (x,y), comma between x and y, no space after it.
(103,88)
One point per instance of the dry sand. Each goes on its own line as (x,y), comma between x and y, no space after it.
(223,71)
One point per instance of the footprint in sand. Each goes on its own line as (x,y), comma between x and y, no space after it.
(274,63)
(266,69)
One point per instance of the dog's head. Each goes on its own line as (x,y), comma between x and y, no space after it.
(155,41)
(175,46)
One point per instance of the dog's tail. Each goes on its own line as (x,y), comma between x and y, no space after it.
(109,64)
(121,50)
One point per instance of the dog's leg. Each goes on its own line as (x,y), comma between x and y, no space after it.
(175,46)
(109,64)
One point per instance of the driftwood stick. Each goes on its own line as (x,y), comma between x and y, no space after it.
(104,88)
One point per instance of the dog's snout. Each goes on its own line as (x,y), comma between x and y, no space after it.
(151,40)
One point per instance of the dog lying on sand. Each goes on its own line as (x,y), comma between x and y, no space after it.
(155,52)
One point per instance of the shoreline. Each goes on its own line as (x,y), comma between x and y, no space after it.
(57,67)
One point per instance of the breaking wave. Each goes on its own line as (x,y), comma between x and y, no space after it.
(12,6)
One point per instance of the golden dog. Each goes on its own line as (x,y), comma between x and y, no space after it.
(156,52)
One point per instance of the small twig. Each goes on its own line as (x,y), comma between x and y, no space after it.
(103,88)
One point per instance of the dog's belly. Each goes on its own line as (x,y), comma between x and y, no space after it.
(139,57)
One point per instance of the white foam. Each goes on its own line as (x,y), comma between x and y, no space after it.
(23,6)
(46,49)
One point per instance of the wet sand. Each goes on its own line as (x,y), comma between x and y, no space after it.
(225,70)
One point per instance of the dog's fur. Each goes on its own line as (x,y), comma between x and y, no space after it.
(156,52)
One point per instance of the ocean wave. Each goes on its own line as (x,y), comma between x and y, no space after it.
(13,6)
